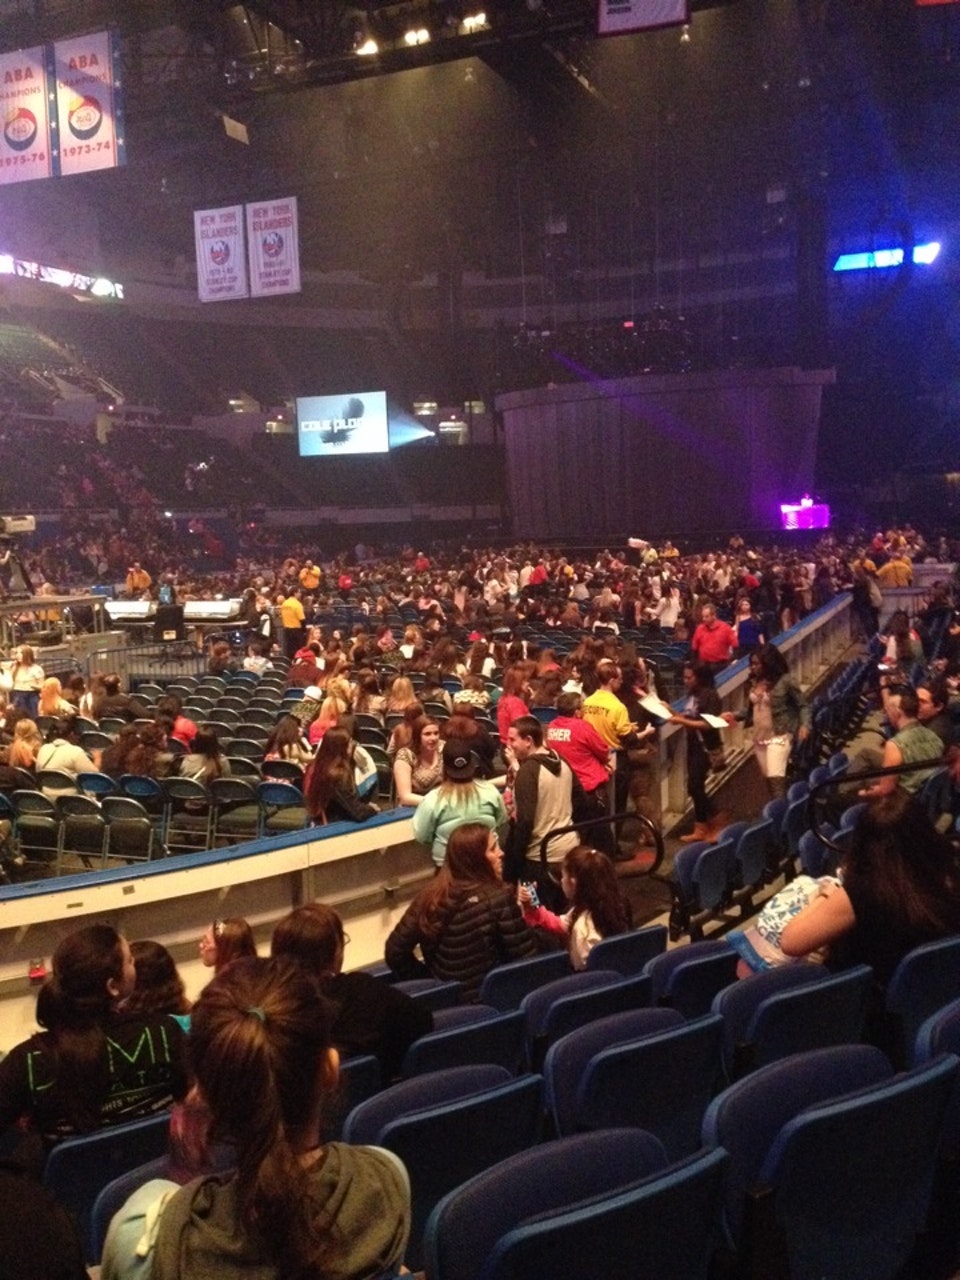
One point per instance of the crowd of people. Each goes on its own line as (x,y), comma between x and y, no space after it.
(453,689)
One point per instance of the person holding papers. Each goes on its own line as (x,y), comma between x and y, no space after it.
(701,718)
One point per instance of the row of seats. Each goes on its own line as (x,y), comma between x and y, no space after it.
(711,878)
(98,819)
(651,1069)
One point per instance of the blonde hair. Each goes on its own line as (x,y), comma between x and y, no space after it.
(26,742)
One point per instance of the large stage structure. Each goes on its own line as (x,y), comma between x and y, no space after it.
(658,455)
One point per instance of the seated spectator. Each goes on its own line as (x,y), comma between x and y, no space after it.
(418,768)
(296,1207)
(91,1064)
(403,732)
(329,787)
(52,702)
(466,921)
(62,751)
(400,696)
(598,909)
(933,698)
(170,708)
(39,1241)
(221,661)
(204,761)
(369,1016)
(141,750)
(367,696)
(158,987)
(225,941)
(286,742)
(256,659)
(108,700)
(514,701)
(900,888)
(27,741)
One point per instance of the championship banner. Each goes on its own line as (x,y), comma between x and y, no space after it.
(221,261)
(26,78)
(89,103)
(274,247)
(616,17)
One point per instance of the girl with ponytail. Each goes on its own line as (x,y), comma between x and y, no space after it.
(295,1208)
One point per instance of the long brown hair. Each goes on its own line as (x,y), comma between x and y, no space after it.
(905,864)
(465,866)
(74,1005)
(597,890)
(332,767)
(257,1037)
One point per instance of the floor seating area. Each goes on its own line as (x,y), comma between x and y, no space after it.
(745,1132)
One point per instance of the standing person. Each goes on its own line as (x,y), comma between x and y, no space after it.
(543,789)
(778,713)
(713,642)
(91,1065)
(513,701)
(293,620)
(590,758)
(597,908)
(295,1206)
(466,922)
(461,797)
(702,739)
(368,1016)
(748,627)
(27,676)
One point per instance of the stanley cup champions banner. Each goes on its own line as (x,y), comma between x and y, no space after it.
(25,84)
(274,247)
(221,260)
(89,103)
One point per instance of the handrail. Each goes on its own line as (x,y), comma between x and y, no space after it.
(841,779)
(589,823)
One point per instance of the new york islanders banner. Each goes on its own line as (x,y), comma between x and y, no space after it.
(26,78)
(89,103)
(273,244)
(221,261)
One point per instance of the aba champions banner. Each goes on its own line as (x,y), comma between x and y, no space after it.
(25,81)
(89,103)
(221,261)
(274,247)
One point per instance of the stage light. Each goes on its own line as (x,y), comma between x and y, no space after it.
(921,255)
(367,48)
(419,35)
(473,22)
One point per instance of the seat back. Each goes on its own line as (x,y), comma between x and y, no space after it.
(505,986)
(568,1057)
(941,1034)
(747,1116)
(443,1145)
(661,1083)
(738,1003)
(627,953)
(539,1005)
(670,1218)
(466,1225)
(752,853)
(688,978)
(924,981)
(852,1177)
(811,1016)
(498,1038)
(78,1169)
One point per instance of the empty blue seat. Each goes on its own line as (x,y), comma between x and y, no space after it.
(596,1190)
(925,980)
(661,1082)
(627,953)
(505,986)
(688,978)
(497,1038)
